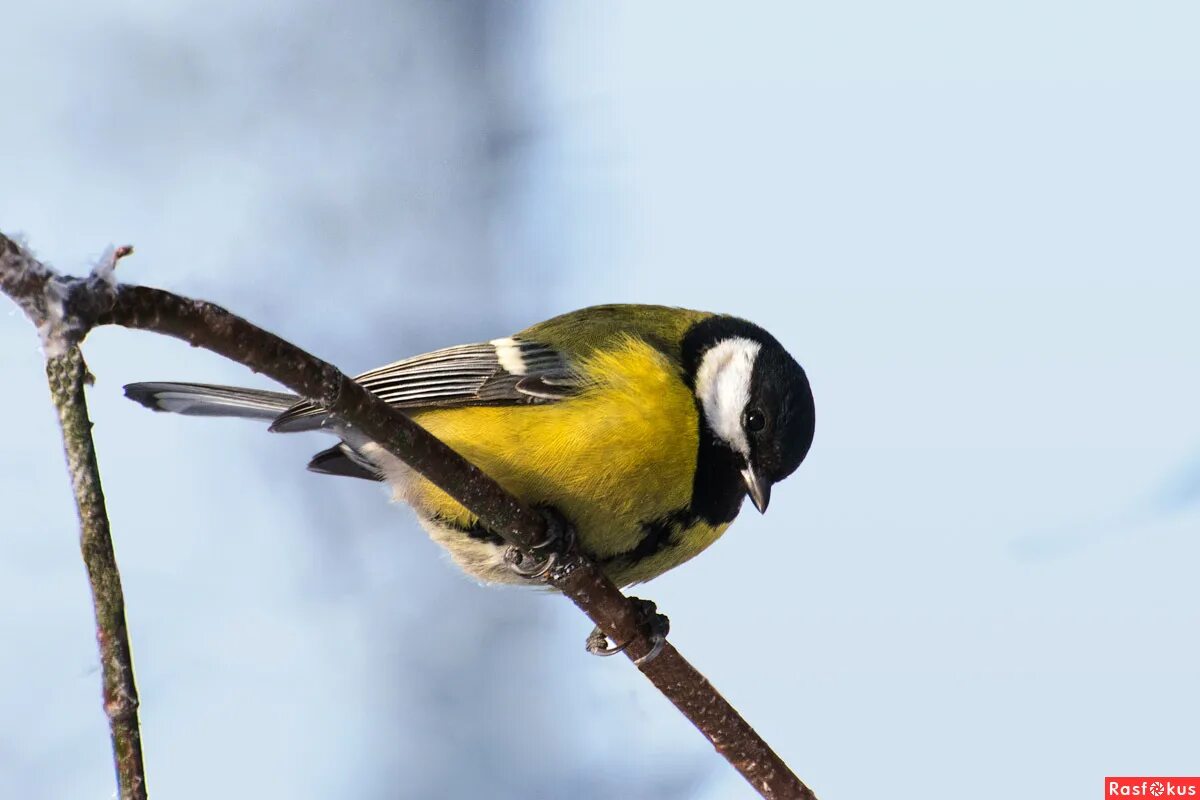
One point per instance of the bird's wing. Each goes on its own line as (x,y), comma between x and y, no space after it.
(500,372)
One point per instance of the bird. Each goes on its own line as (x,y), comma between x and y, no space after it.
(645,427)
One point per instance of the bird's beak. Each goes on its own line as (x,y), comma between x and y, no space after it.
(759,490)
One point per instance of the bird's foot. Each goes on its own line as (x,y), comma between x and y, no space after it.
(655,625)
(557,545)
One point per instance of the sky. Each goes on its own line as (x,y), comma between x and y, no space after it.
(973,224)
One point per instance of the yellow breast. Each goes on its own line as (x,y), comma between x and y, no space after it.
(620,453)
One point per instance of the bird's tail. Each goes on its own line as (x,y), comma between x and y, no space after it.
(207,400)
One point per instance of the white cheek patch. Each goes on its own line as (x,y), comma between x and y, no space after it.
(723,387)
(508,353)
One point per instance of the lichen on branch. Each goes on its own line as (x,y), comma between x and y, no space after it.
(67,375)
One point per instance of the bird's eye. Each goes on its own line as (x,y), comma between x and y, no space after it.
(755,420)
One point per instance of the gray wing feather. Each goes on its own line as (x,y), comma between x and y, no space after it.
(342,459)
(506,371)
(208,400)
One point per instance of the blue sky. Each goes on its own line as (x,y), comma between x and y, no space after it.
(974,224)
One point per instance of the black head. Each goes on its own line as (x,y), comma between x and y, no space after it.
(754,397)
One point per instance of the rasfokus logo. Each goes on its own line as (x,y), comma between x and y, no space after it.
(1152,787)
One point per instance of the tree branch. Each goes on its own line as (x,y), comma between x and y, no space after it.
(41,293)
(98,301)
(67,374)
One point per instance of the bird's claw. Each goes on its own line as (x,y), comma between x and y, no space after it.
(543,556)
(597,644)
(538,567)
(655,625)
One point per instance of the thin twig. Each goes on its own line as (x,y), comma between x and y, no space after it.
(42,294)
(67,375)
(212,327)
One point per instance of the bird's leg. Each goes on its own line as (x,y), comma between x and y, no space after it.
(558,543)
(557,547)
(655,625)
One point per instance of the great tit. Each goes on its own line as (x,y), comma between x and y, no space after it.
(644,426)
